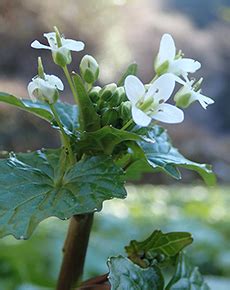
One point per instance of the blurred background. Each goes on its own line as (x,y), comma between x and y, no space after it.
(116,33)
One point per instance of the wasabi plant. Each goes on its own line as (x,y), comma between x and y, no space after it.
(108,136)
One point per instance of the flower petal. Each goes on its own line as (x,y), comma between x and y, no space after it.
(187,65)
(169,114)
(32,86)
(73,45)
(203,100)
(139,117)
(134,89)
(55,81)
(38,45)
(51,38)
(162,88)
(167,50)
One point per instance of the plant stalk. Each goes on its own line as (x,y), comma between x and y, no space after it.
(68,77)
(74,251)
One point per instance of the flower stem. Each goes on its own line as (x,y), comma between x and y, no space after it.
(156,77)
(74,251)
(67,74)
(127,124)
(65,138)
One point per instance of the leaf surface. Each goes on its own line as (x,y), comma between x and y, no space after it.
(162,155)
(125,275)
(131,70)
(186,276)
(31,190)
(158,243)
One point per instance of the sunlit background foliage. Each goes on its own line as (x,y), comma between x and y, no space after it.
(118,32)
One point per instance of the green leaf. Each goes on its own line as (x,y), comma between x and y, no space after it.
(69,117)
(104,139)
(168,244)
(131,70)
(186,276)
(39,109)
(88,118)
(124,275)
(162,155)
(68,113)
(31,189)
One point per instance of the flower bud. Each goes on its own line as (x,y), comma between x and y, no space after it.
(89,69)
(110,117)
(117,97)
(94,94)
(125,111)
(183,98)
(161,69)
(107,92)
(197,85)
(62,56)
(43,91)
(41,73)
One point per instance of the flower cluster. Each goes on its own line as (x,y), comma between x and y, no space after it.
(149,103)
(142,102)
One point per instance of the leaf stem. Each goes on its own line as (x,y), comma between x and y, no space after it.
(65,138)
(67,74)
(74,251)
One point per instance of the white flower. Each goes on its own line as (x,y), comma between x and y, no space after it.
(150,104)
(45,89)
(187,95)
(168,61)
(60,47)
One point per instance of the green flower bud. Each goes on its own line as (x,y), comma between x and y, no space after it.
(197,85)
(163,68)
(89,69)
(117,97)
(110,117)
(183,98)
(107,92)
(94,94)
(62,56)
(41,73)
(125,111)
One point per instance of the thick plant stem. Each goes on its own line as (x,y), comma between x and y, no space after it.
(74,251)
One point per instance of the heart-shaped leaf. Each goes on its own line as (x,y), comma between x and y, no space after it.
(68,113)
(166,244)
(32,190)
(186,276)
(125,275)
(104,139)
(161,155)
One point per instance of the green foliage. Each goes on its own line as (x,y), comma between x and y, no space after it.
(33,188)
(131,70)
(157,247)
(88,118)
(69,117)
(137,274)
(204,211)
(124,275)
(41,110)
(163,156)
(104,139)
(186,276)
(68,113)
